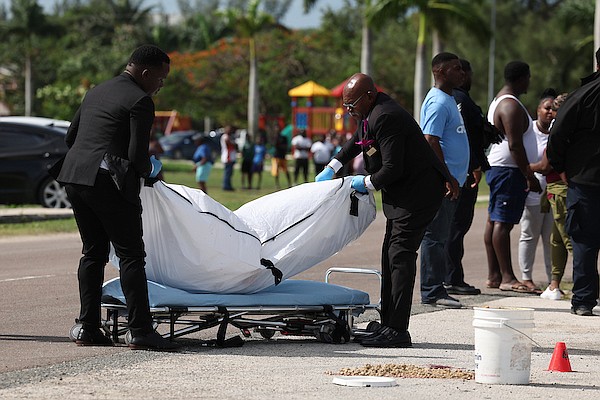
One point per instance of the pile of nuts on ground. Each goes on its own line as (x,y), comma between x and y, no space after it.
(407,371)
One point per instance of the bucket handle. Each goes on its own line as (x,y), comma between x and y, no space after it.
(502,322)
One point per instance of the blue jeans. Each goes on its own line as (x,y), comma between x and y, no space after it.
(433,254)
(582,224)
(227,174)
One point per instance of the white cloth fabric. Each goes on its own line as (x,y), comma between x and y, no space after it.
(499,155)
(228,151)
(194,243)
(533,198)
(301,146)
(321,152)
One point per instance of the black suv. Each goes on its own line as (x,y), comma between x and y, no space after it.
(27,151)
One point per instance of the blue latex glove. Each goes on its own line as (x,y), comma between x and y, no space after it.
(325,175)
(358,183)
(156,167)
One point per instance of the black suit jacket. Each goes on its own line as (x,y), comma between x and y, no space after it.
(112,123)
(401,162)
(474,120)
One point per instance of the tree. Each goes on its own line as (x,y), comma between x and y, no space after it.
(27,26)
(432,16)
(366,50)
(247,23)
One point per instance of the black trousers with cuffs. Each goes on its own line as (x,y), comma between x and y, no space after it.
(402,239)
(103,216)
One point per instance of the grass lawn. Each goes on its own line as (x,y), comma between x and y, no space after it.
(181,172)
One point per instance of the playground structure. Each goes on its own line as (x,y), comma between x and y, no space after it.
(166,122)
(313,111)
(307,114)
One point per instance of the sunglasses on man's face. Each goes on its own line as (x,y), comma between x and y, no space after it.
(351,106)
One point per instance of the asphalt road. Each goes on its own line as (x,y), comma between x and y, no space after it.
(39,298)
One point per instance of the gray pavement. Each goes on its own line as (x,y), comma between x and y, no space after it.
(301,368)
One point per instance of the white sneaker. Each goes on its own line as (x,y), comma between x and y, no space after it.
(550,294)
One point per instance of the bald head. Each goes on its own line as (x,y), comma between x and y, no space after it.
(359,95)
(358,84)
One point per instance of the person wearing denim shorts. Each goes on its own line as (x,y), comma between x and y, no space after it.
(510,177)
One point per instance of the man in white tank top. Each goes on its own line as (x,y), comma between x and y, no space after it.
(510,178)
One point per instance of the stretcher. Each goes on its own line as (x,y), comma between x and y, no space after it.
(294,307)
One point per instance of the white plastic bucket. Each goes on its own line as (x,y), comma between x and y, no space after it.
(503,345)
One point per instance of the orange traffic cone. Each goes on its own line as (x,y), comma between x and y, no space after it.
(560,359)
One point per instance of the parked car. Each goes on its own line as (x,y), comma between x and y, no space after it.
(179,145)
(43,121)
(27,151)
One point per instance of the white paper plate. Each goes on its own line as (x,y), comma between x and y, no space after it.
(364,381)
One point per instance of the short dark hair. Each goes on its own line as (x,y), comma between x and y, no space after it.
(548,93)
(466,66)
(442,58)
(149,55)
(516,70)
(598,56)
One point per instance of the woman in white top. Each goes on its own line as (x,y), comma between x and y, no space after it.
(536,220)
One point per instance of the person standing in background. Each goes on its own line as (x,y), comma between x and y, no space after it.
(465,208)
(574,152)
(203,162)
(260,151)
(510,177)
(228,156)
(321,153)
(247,157)
(537,221)
(445,132)
(560,243)
(279,162)
(300,151)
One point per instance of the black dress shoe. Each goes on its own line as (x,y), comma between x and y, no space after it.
(582,311)
(152,341)
(370,335)
(462,289)
(389,337)
(92,337)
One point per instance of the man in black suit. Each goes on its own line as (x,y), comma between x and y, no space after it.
(412,183)
(108,155)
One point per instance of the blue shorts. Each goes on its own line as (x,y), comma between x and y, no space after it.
(508,191)
(202,171)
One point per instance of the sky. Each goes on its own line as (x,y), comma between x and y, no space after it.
(294,19)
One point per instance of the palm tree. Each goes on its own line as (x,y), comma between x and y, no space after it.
(27,25)
(432,16)
(247,23)
(597,27)
(366,50)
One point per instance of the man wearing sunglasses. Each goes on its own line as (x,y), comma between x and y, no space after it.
(411,178)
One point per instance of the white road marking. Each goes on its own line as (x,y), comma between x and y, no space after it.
(23,278)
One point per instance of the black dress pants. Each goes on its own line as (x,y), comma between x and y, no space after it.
(402,239)
(461,223)
(104,216)
(301,165)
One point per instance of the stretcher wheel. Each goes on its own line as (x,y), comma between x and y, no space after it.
(74,332)
(373,326)
(128,337)
(266,334)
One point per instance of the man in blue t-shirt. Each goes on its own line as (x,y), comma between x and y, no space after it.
(445,132)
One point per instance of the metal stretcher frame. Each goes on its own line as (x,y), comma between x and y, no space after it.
(328,323)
